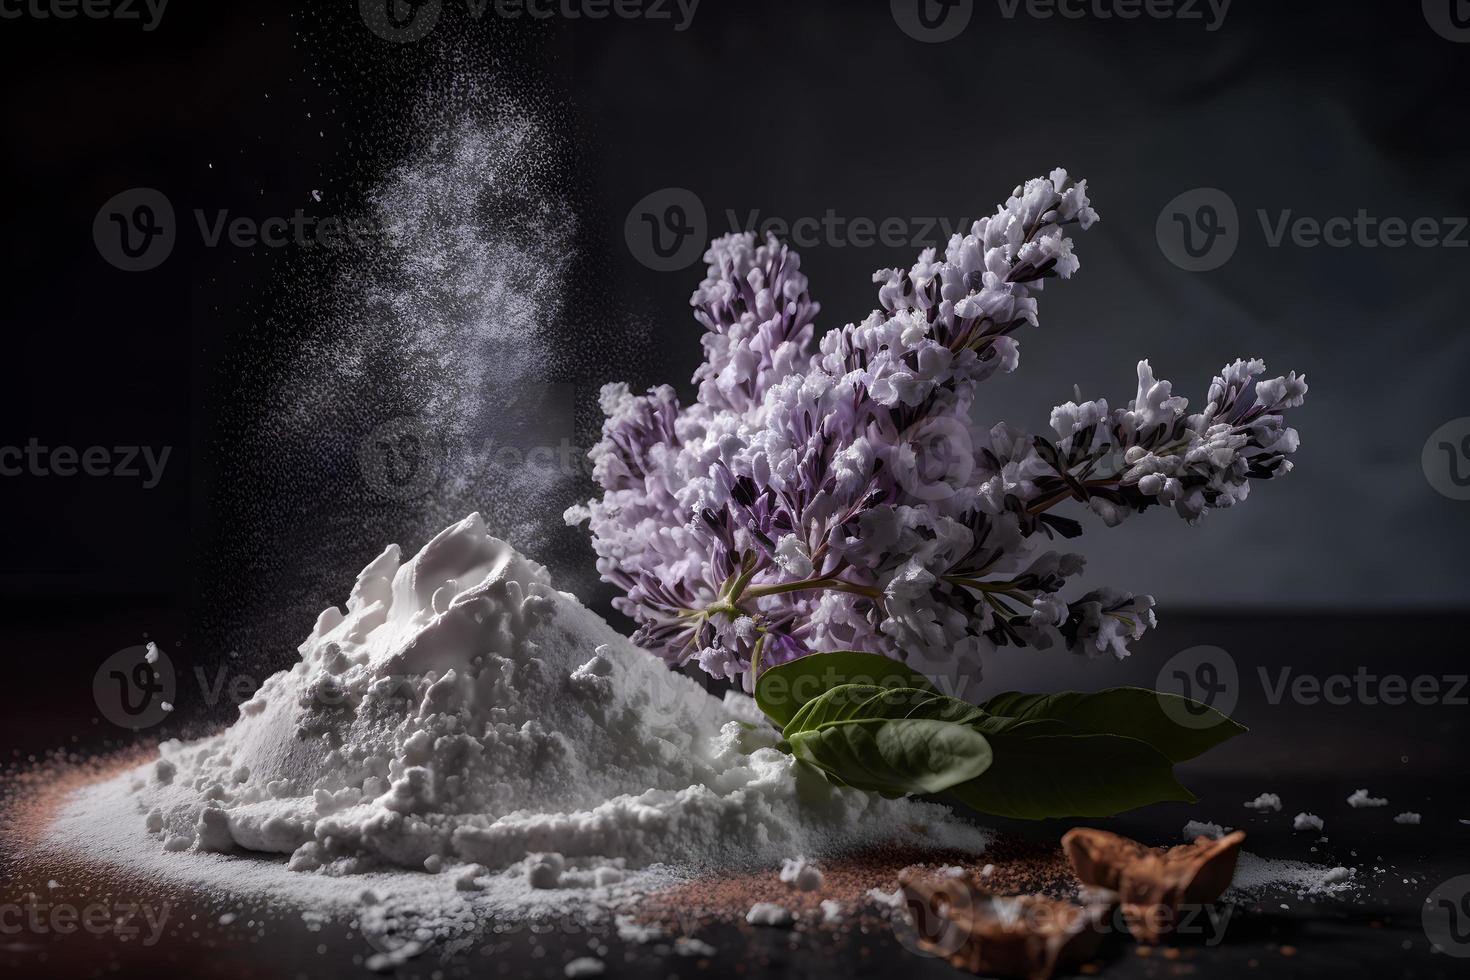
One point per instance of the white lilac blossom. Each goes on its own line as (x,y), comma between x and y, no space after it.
(833,493)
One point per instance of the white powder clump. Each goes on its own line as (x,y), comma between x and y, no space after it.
(1256,876)
(831,910)
(461,714)
(1264,802)
(689,946)
(1408,818)
(1203,828)
(1307,821)
(889,900)
(1360,799)
(768,914)
(802,875)
(585,966)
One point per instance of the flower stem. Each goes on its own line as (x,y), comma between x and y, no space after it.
(805,585)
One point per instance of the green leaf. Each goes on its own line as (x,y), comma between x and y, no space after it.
(895,757)
(1038,774)
(1175,726)
(783,690)
(849,702)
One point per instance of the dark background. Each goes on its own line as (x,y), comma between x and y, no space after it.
(233,356)
(790,109)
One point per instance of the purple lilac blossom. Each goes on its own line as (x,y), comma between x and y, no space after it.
(839,497)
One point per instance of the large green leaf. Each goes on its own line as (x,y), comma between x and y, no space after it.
(1037,774)
(848,702)
(895,757)
(783,690)
(1175,726)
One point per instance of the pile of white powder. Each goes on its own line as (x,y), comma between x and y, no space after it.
(465,745)
(465,720)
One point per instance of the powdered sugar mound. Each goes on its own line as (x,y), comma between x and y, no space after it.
(462,715)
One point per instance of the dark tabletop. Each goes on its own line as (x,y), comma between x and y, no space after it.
(1314,751)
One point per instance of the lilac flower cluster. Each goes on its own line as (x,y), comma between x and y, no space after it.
(840,498)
